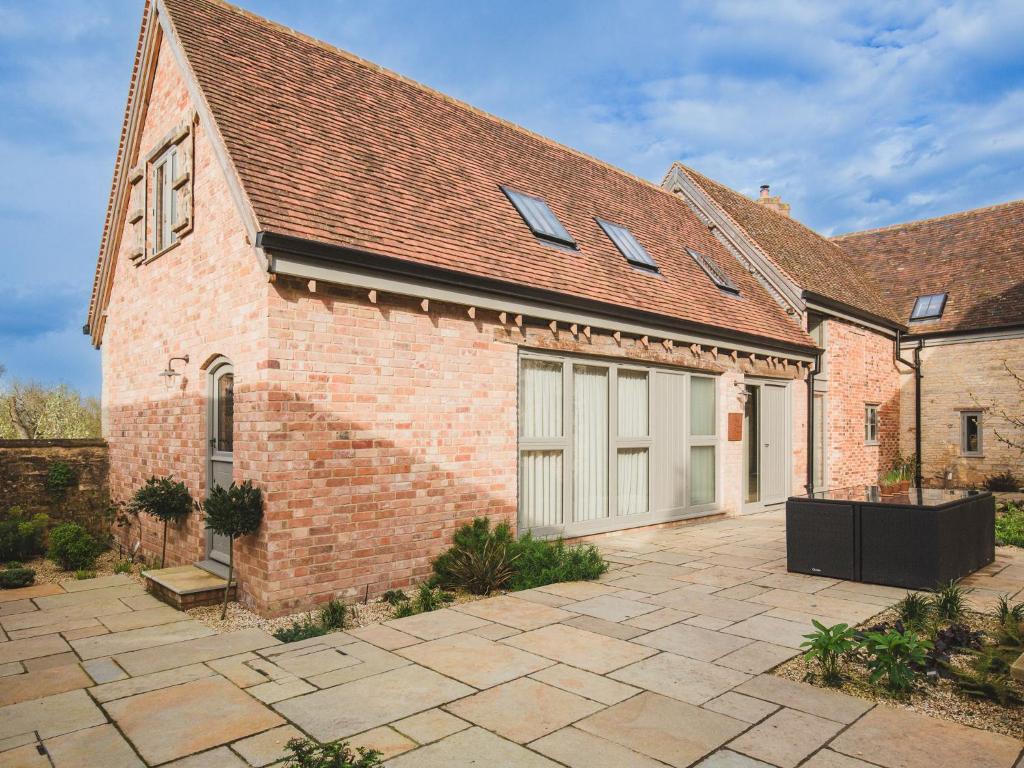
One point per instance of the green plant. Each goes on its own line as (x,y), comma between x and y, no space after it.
(59,477)
(915,609)
(483,570)
(300,629)
(828,646)
(21,535)
(1010,526)
(84,574)
(72,547)
(896,656)
(948,601)
(988,675)
(14,576)
(430,598)
(405,609)
(394,597)
(471,538)
(540,562)
(165,500)
(1004,481)
(306,753)
(234,511)
(123,566)
(332,615)
(1006,613)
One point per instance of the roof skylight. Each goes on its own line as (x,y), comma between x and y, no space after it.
(628,245)
(929,307)
(715,272)
(539,218)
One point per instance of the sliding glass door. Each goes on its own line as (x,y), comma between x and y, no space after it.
(605,445)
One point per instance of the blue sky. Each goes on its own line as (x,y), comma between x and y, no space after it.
(859,114)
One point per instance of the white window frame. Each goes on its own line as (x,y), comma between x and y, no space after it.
(612,520)
(963,434)
(871,424)
(163,172)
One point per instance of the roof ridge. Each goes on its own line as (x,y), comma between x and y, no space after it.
(930,220)
(355,58)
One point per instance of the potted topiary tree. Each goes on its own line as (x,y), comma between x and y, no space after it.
(233,512)
(165,500)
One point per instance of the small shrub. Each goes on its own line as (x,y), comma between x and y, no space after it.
(15,577)
(895,656)
(948,602)
(1006,613)
(123,566)
(300,629)
(469,543)
(828,646)
(234,511)
(405,609)
(988,676)
(164,499)
(1004,481)
(430,599)
(332,615)
(915,609)
(306,753)
(60,477)
(484,570)
(84,574)
(394,597)
(72,547)
(21,535)
(955,637)
(548,562)
(1010,526)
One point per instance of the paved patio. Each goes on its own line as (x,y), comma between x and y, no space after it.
(660,663)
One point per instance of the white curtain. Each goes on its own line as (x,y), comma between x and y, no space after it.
(590,421)
(632,481)
(540,493)
(632,404)
(541,399)
(702,406)
(702,474)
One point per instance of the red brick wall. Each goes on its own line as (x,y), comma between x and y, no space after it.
(860,371)
(204,297)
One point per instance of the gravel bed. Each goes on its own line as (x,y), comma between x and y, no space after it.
(48,572)
(940,699)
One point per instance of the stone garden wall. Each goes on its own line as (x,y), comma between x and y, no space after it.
(33,477)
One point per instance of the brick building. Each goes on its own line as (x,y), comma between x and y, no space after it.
(393,313)
(958,280)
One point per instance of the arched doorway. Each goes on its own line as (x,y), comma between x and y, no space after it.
(220,427)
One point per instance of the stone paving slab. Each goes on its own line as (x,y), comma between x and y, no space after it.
(64,599)
(770,630)
(757,657)
(786,738)
(516,613)
(267,747)
(385,740)
(25,593)
(45,682)
(613,608)
(24,757)
(474,661)
(697,643)
(694,602)
(358,706)
(144,683)
(32,648)
(578,648)
(384,637)
(162,724)
(50,716)
(523,710)
(473,747)
(430,726)
(202,649)
(92,747)
(604,627)
(34,618)
(137,639)
(726,758)
(896,738)
(663,728)
(579,749)
(680,677)
(100,582)
(815,701)
(745,708)
(436,624)
(149,617)
(221,757)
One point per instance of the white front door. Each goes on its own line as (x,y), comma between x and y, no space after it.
(221,445)
(766,444)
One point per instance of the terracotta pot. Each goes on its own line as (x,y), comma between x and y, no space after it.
(894,489)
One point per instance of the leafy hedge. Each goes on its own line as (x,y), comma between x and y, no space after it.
(1010,526)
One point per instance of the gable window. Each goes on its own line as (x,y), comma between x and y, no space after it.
(871,424)
(970,433)
(715,272)
(628,246)
(165,170)
(929,307)
(539,218)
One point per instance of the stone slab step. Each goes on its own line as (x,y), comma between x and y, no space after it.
(186,586)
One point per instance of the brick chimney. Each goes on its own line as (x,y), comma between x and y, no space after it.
(774,203)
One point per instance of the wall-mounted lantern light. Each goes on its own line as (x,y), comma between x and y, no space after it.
(169,373)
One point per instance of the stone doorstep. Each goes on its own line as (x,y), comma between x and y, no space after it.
(187,586)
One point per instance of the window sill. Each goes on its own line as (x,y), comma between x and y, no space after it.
(158,254)
(972,455)
(872,444)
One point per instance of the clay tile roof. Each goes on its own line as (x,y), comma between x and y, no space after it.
(813,262)
(976,257)
(334,149)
